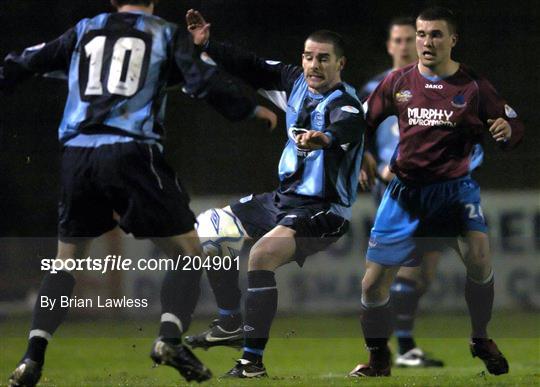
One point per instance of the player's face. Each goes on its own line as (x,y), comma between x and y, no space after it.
(401,46)
(434,42)
(322,68)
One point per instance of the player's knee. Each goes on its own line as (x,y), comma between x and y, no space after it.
(478,260)
(479,272)
(262,258)
(221,233)
(373,291)
(191,248)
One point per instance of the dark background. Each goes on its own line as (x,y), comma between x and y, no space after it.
(500,39)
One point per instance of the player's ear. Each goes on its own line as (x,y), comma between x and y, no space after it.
(342,61)
(454,39)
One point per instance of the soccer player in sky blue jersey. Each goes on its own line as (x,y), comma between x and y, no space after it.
(118,67)
(443,108)
(318,170)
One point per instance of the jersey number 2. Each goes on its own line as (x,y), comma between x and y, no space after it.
(124,71)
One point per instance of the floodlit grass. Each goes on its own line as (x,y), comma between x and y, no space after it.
(304,351)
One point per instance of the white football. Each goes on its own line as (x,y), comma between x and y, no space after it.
(221,233)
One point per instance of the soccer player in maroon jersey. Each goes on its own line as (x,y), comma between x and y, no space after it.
(443,108)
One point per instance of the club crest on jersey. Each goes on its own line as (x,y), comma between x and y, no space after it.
(459,101)
(350,109)
(510,113)
(403,96)
(432,86)
(318,119)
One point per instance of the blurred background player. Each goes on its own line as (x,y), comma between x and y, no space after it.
(119,65)
(443,108)
(323,152)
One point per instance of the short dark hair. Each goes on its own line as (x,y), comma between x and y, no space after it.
(401,21)
(119,3)
(440,13)
(326,36)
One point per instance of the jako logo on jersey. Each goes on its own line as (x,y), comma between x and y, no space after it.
(350,109)
(459,101)
(510,113)
(431,86)
(430,117)
(403,96)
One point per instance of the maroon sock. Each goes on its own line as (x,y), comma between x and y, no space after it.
(479,299)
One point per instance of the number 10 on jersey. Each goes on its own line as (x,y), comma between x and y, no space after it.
(114,66)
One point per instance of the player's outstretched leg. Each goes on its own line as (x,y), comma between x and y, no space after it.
(46,319)
(376,320)
(222,235)
(179,295)
(479,294)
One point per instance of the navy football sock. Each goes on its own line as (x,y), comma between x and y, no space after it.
(230,320)
(36,349)
(261,306)
(54,287)
(179,295)
(45,320)
(224,285)
(479,297)
(377,327)
(404,297)
(253,355)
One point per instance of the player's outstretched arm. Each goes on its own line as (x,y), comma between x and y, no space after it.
(258,72)
(39,59)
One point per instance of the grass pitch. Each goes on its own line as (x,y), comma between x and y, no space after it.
(303,351)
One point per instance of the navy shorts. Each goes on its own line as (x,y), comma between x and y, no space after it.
(411,220)
(131,179)
(316,227)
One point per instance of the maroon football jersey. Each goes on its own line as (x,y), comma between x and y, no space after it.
(439,122)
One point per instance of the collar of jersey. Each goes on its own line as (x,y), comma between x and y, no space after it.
(436,78)
(137,12)
(321,96)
